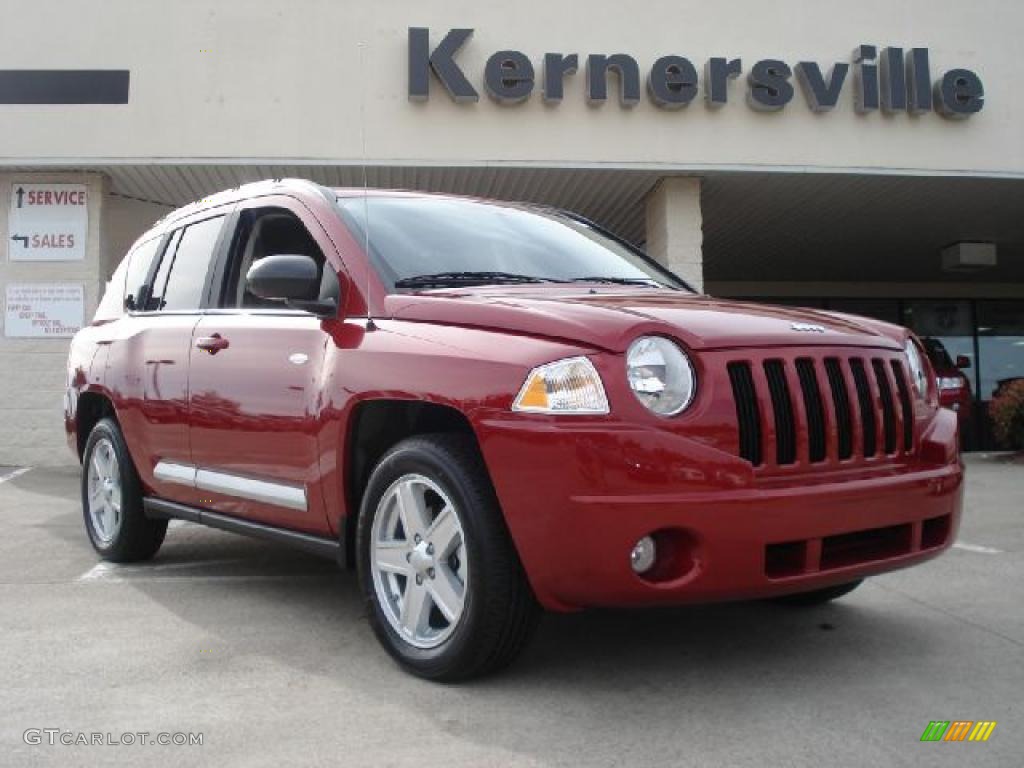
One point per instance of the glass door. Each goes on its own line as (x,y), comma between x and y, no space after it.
(1000,349)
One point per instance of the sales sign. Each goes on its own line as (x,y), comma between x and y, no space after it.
(48,222)
(51,310)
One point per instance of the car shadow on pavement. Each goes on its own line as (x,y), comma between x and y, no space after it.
(255,608)
(55,482)
(723,641)
(593,649)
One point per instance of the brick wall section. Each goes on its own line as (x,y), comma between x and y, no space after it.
(674,227)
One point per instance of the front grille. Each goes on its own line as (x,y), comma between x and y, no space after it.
(842,550)
(888,409)
(866,406)
(841,399)
(782,407)
(815,409)
(747,413)
(905,407)
(836,407)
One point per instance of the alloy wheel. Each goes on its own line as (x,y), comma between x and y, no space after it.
(104,491)
(418,561)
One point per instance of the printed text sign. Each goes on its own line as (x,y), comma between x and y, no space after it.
(47,222)
(52,310)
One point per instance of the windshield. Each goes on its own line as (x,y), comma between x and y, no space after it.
(937,353)
(433,242)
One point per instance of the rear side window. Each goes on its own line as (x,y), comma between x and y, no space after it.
(112,305)
(181,278)
(155,297)
(139,262)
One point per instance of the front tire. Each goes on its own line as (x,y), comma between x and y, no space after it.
(445,592)
(818,596)
(112,499)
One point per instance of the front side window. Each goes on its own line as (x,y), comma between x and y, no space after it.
(266,232)
(181,278)
(413,238)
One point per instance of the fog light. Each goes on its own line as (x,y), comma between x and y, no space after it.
(642,557)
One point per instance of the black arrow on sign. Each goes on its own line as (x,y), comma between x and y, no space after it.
(23,238)
(21,194)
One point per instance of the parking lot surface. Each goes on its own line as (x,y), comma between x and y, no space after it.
(267,653)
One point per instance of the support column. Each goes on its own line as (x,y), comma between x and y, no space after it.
(674,233)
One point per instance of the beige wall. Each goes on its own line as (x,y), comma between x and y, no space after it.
(238,80)
(34,372)
(33,377)
(280,83)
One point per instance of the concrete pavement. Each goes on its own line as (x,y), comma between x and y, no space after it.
(267,653)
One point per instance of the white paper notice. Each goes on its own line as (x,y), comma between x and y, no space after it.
(47,222)
(51,310)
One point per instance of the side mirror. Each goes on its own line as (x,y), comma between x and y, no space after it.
(963,361)
(291,278)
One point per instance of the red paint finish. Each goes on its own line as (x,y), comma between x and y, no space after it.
(246,422)
(147,366)
(576,491)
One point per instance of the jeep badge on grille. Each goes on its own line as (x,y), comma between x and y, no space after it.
(808,327)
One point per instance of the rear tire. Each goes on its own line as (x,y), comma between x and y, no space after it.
(818,596)
(112,499)
(445,592)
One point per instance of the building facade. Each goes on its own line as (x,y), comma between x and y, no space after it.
(860,157)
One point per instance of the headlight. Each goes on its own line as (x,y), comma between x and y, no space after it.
(572,385)
(660,375)
(947,383)
(916,364)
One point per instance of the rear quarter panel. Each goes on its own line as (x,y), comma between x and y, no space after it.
(85,373)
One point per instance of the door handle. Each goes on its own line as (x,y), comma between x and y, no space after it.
(212,344)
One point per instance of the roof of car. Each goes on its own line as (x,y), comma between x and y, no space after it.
(300,188)
(297,187)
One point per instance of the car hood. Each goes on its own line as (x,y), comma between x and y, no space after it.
(611,318)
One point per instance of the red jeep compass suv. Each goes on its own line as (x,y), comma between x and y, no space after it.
(486,408)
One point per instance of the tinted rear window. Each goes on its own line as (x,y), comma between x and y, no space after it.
(139,262)
(181,279)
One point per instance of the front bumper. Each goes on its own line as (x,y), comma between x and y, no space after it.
(577,496)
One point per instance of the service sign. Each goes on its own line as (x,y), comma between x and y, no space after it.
(41,310)
(47,222)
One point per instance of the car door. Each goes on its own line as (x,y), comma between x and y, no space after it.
(167,279)
(254,380)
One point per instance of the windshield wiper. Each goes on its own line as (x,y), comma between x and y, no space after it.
(443,279)
(650,282)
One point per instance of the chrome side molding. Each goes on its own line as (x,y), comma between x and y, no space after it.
(172,472)
(240,486)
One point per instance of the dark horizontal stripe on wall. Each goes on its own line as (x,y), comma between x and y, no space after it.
(64,86)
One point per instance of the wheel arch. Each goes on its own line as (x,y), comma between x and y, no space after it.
(91,407)
(375,427)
